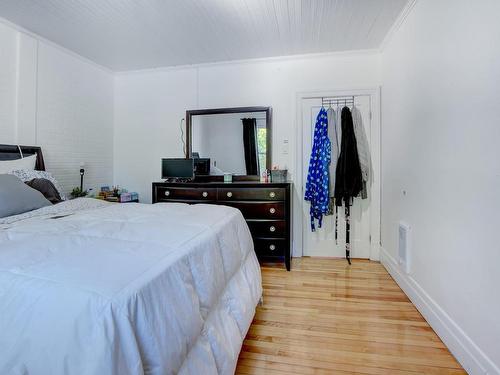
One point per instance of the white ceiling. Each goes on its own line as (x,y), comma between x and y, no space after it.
(137,34)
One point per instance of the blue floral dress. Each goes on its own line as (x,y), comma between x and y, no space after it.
(317,186)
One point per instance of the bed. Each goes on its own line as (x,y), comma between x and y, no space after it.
(90,287)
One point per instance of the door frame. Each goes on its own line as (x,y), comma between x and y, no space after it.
(375,214)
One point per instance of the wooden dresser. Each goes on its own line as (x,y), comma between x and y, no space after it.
(265,206)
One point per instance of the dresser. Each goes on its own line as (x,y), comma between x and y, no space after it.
(266,208)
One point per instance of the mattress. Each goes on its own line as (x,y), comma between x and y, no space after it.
(88,287)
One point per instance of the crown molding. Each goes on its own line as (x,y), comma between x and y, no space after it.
(308,56)
(397,24)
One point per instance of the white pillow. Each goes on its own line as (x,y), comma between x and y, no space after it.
(7,166)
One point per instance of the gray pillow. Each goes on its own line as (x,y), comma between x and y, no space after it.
(45,187)
(16,197)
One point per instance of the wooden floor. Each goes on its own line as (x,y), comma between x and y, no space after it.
(325,317)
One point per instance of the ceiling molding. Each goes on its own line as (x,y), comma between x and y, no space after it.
(308,56)
(397,24)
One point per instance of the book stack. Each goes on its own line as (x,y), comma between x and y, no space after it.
(117,195)
(129,197)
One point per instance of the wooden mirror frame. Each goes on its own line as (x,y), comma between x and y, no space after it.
(218,111)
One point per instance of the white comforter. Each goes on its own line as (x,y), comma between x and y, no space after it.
(126,289)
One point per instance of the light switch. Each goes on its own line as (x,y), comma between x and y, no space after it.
(285,147)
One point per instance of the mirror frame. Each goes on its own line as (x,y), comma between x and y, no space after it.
(219,111)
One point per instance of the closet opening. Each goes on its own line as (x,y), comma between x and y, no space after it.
(364,232)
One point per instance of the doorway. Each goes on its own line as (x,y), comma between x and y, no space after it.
(365,214)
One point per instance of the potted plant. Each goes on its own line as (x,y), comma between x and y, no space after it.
(78,193)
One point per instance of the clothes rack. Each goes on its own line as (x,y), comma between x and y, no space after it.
(341,101)
(338,101)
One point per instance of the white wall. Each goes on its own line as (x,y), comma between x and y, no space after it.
(149,105)
(59,101)
(440,144)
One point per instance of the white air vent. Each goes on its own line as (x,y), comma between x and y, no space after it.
(404,246)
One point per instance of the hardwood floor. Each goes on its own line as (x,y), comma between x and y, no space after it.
(325,317)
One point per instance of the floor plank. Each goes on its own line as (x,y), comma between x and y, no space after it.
(327,317)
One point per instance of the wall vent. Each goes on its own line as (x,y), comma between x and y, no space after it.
(404,247)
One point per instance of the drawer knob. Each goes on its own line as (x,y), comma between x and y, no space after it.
(205,194)
(272,228)
(272,210)
(167,193)
(272,247)
(272,194)
(229,194)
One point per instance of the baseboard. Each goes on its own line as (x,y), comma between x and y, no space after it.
(470,356)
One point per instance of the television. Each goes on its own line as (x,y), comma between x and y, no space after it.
(177,168)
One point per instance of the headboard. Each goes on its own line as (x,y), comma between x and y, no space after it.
(11,152)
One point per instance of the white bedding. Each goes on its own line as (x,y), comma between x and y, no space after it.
(126,289)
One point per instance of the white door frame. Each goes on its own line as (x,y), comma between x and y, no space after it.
(298,200)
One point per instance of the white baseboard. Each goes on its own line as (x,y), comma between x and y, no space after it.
(470,356)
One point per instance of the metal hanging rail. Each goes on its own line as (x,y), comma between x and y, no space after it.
(338,100)
(345,101)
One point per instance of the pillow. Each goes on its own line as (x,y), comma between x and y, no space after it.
(28,175)
(17,198)
(7,166)
(45,187)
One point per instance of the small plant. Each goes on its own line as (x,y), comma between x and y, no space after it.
(78,193)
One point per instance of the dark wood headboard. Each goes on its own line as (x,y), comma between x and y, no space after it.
(11,152)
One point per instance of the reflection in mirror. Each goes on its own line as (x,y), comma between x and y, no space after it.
(235,143)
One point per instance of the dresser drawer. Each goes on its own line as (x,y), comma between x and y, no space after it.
(246,194)
(269,247)
(267,228)
(259,210)
(183,193)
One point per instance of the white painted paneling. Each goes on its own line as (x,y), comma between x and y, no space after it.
(440,137)
(8,84)
(127,35)
(75,118)
(26,89)
(52,98)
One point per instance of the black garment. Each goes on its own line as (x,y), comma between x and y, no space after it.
(250,145)
(348,178)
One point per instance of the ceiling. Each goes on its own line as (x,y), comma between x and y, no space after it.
(138,34)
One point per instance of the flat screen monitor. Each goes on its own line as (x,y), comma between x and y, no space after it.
(177,168)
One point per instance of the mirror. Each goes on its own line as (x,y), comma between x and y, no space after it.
(230,140)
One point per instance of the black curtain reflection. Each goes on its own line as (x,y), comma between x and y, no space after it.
(250,145)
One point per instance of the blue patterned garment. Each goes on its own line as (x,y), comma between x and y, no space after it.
(318,177)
